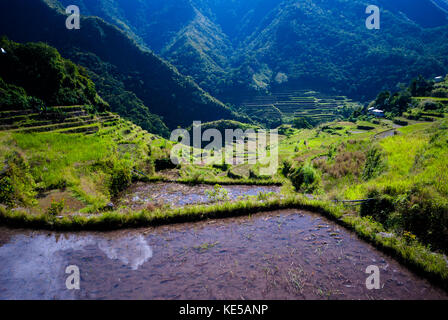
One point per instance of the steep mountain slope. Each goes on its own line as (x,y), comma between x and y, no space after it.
(442,4)
(160,86)
(233,46)
(172,28)
(308,44)
(36,75)
(425,13)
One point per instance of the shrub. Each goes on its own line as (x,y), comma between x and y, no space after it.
(302,123)
(6,191)
(439,93)
(263,196)
(286,167)
(401,122)
(380,207)
(374,164)
(430,105)
(37,104)
(217,194)
(149,167)
(223,167)
(197,177)
(409,237)
(56,207)
(305,178)
(121,178)
(365,127)
(345,163)
(417,213)
(164,164)
(256,176)
(426,216)
(233,175)
(16,182)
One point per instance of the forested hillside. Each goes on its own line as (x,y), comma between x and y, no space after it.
(230,47)
(35,75)
(136,81)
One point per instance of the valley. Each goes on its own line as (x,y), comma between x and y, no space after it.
(238,48)
(190,149)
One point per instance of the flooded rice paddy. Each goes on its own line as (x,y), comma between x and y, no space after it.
(288,254)
(140,195)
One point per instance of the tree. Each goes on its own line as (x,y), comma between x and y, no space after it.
(421,87)
(301,123)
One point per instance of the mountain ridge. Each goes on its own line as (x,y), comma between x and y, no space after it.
(333,54)
(157,83)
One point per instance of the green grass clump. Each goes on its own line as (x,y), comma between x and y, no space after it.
(17,185)
(56,207)
(305,178)
(217,194)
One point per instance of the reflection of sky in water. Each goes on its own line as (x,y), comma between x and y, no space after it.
(37,264)
(135,252)
(182,199)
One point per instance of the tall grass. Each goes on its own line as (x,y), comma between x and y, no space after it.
(54,157)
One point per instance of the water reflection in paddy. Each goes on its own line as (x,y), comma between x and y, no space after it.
(282,255)
(179,195)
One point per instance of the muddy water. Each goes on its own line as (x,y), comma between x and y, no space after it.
(178,195)
(281,255)
(386,134)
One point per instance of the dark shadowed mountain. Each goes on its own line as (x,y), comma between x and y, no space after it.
(115,61)
(426,13)
(236,46)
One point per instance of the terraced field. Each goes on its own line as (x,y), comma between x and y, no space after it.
(287,105)
(65,144)
(75,119)
(67,119)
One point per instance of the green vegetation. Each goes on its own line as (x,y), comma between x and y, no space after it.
(57,135)
(35,74)
(305,178)
(217,194)
(301,108)
(139,84)
(112,87)
(257,46)
(17,185)
(302,123)
(419,101)
(374,164)
(94,166)
(402,174)
(56,208)
(415,255)
(222,126)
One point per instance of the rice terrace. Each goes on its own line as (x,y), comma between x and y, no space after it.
(347,201)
